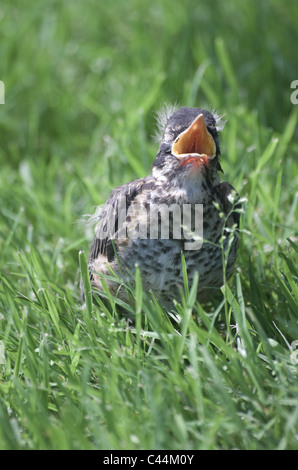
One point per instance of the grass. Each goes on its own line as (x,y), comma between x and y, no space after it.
(82,83)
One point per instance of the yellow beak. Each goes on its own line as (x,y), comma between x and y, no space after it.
(195,140)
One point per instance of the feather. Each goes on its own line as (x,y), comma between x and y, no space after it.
(162,116)
(219,119)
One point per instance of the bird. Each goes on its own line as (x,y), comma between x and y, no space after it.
(180,216)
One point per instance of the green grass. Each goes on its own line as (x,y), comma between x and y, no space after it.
(82,83)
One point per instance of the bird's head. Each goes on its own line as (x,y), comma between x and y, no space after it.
(189,144)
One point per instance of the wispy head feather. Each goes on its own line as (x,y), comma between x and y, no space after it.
(162,116)
(219,119)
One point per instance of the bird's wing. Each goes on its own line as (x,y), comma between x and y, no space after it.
(108,224)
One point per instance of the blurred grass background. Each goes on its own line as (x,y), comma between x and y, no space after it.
(83,81)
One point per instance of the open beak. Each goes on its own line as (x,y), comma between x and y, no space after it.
(196,140)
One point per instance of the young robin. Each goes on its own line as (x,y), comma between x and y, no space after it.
(181,208)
